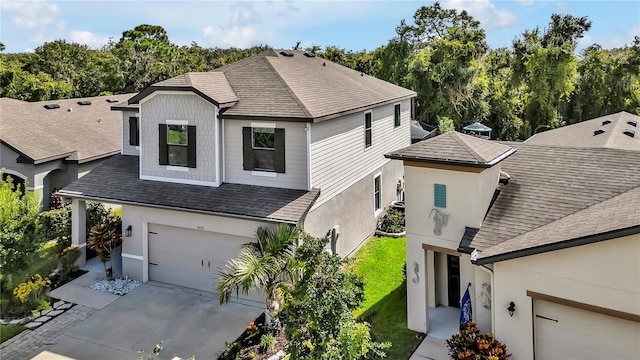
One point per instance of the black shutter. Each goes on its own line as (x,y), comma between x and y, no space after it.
(162,145)
(247,149)
(191,146)
(134,135)
(279,163)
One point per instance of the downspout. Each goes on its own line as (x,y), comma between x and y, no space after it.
(493,309)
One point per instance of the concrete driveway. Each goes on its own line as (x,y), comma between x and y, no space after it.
(189,322)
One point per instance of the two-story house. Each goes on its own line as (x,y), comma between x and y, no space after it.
(281,137)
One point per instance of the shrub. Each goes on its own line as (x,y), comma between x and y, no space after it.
(67,260)
(56,224)
(31,292)
(267,343)
(392,221)
(470,344)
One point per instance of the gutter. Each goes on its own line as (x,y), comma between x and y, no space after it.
(451,161)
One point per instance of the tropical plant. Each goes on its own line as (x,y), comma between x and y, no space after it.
(266,265)
(470,344)
(104,238)
(392,221)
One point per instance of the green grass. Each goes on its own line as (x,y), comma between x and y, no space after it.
(380,263)
(9,331)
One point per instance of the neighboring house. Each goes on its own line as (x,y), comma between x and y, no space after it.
(49,144)
(281,137)
(547,238)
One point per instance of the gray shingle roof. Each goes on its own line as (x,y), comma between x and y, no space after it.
(457,148)
(560,193)
(582,133)
(83,134)
(116,180)
(270,85)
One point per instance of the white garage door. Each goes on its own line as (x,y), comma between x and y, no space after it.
(564,332)
(189,258)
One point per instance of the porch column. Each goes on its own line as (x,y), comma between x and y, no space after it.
(78,228)
(417,281)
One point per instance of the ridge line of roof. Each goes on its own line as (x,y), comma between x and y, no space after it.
(289,90)
(467,147)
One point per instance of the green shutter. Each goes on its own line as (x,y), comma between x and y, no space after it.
(247,149)
(440,195)
(279,162)
(191,146)
(134,134)
(162,145)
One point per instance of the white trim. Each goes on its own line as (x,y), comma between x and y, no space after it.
(176,122)
(4,170)
(138,148)
(177,168)
(84,244)
(377,212)
(170,92)
(223,153)
(394,116)
(309,179)
(137,115)
(263,125)
(131,256)
(124,123)
(264,173)
(364,129)
(145,251)
(140,143)
(31,188)
(179,181)
(216,143)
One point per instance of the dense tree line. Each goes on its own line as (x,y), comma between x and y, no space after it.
(442,54)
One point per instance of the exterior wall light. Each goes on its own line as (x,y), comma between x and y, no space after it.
(512,308)
(127,231)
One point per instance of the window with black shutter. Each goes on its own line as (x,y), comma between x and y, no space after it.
(134,131)
(263,149)
(177,145)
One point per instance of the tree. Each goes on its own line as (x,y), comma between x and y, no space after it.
(2,47)
(319,323)
(20,236)
(265,265)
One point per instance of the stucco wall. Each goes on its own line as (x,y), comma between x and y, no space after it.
(295,175)
(126,148)
(353,209)
(135,248)
(605,274)
(182,106)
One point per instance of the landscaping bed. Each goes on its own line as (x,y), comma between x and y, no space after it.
(255,343)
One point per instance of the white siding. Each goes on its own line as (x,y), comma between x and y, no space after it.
(295,138)
(126,148)
(189,107)
(338,155)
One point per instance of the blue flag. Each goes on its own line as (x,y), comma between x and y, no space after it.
(465,308)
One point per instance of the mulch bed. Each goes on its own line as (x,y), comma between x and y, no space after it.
(247,345)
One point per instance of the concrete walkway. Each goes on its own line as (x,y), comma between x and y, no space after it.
(431,349)
(77,291)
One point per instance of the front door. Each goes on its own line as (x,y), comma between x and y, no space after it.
(453,280)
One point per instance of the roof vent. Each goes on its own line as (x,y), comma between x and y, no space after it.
(309,54)
(599,131)
(84,102)
(605,122)
(632,123)
(52,106)
(112,100)
(629,133)
(286,53)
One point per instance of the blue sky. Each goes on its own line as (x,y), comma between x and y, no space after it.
(353,25)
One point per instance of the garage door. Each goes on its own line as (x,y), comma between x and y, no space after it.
(189,258)
(563,332)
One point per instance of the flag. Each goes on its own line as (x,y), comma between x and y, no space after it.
(465,308)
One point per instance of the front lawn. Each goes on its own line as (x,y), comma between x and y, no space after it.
(380,263)
(9,331)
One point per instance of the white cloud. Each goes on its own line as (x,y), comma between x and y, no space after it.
(32,14)
(88,38)
(236,36)
(483,11)
(244,14)
(524,2)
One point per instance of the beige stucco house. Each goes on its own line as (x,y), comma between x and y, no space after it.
(281,137)
(49,144)
(546,238)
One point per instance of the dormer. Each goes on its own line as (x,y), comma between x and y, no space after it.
(450,181)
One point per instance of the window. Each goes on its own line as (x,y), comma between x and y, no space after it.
(177,145)
(134,131)
(367,129)
(396,122)
(413,108)
(263,149)
(440,195)
(376,193)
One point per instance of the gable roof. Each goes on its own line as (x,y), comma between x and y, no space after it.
(116,180)
(298,87)
(583,134)
(73,132)
(455,148)
(557,196)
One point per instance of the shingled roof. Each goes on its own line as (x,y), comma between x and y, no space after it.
(605,132)
(298,87)
(558,196)
(116,180)
(455,148)
(73,132)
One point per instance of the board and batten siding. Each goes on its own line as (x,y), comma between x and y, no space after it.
(339,158)
(295,139)
(188,107)
(126,148)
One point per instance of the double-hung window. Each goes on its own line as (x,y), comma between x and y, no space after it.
(396,116)
(368,135)
(377,200)
(263,149)
(177,145)
(134,131)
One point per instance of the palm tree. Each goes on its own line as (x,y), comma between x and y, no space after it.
(266,265)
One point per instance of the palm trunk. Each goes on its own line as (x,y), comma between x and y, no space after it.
(271,312)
